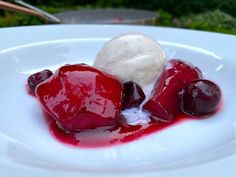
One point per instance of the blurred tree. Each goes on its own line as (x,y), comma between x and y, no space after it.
(196,14)
(211,21)
(175,7)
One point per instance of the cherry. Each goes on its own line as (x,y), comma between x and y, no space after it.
(165,100)
(37,78)
(80,97)
(200,98)
(133,95)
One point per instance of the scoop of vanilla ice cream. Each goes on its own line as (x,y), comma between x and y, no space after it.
(133,57)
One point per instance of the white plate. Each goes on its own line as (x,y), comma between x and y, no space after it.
(194,148)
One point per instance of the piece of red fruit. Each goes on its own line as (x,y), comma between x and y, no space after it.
(133,95)
(200,98)
(37,78)
(164,103)
(81,97)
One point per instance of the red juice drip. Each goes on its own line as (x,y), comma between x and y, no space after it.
(107,136)
(113,135)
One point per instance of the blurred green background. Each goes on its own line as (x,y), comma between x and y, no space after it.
(211,15)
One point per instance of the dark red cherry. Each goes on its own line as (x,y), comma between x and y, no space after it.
(200,98)
(165,101)
(133,95)
(37,78)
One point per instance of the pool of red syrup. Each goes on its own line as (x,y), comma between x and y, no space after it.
(118,134)
(108,136)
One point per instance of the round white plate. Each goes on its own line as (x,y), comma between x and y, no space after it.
(199,148)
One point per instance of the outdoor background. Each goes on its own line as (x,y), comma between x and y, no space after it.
(211,15)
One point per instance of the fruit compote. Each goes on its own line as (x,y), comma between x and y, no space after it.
(87,107)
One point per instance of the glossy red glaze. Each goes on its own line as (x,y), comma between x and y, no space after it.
(108,136)
(81,97)
(83,104)
(118,134)
(165,99)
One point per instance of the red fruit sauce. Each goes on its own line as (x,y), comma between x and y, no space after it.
(108,136)
(166,95)
(113,135)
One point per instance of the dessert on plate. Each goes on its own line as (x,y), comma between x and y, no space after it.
(111,102)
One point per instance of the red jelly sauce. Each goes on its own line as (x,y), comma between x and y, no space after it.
(118,134)
(108,136)
(115,135)
(112,135)
(172,81)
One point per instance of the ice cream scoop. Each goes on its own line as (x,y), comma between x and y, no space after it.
(133,57)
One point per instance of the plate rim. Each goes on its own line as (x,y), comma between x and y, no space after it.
(20,41)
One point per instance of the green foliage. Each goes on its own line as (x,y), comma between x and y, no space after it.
(165,19)
(17,19)
(60,3)
(114,3)
(175,7)
(212,21)
(194,14)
